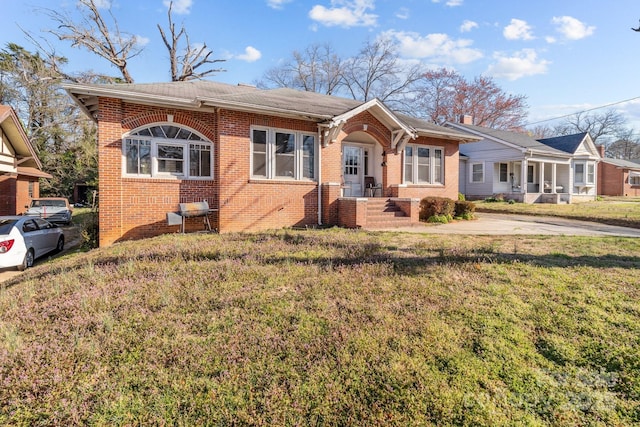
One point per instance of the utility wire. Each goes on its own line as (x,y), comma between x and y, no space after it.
(584,111)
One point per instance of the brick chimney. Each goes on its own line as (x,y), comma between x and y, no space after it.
(601,150)
(466,119)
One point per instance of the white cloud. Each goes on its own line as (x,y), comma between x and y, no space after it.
(345,13)
(142,41)
(435,46)
(403,13)
(468,26)
(180,7)
(521,64)
(450,3)
(102,4)
(251,54)
(277,4)
(571,28)
(517,30)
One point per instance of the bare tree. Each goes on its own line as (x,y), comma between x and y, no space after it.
(626,146)
(609,123)
(316,69)
(94,34)
(444,95)
(185,67)
(378,72)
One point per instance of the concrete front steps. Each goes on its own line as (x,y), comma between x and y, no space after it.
(384,213)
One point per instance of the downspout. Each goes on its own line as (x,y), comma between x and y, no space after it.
(319,175)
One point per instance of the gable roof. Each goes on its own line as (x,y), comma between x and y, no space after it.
(571,143)
(284,102)
(12,127)
(509,138)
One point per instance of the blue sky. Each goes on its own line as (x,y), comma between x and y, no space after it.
(564,55)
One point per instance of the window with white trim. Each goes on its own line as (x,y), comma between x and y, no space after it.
(423,164)
(282,154)
(584,173)
(634,179)
(504,172)
(477,173)
(167,151)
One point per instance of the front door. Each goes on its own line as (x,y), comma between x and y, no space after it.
(352,171)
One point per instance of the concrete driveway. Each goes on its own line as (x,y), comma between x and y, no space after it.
(506,224)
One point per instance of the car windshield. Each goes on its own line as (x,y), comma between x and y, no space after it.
(53,203)
(5,225)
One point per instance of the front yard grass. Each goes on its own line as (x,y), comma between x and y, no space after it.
(332,327)
(623,211)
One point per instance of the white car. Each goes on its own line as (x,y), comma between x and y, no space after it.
(53,209)
(24,238)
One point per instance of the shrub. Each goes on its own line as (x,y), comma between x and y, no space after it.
(439,219)
(461,197)
(89,230)
(433,206)
(464,209)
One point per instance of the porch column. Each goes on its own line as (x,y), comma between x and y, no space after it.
(541,178)
(523,176)
(553,177)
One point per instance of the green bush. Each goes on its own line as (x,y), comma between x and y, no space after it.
(434,206)
(461,197)
(464,209)
(440,219)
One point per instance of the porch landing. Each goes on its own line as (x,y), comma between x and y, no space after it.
(378,212)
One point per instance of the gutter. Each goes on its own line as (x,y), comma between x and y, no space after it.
(319,175)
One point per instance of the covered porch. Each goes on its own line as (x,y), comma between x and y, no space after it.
(534,180)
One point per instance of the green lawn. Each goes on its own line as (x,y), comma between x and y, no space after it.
(333,327)
(623,211)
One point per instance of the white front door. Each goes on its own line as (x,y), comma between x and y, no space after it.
(352,170)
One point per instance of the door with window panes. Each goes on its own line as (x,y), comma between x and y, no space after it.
(352,170)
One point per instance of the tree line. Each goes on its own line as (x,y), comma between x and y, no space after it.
(66,139)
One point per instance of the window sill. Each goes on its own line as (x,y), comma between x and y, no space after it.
(282,181)
(410,185)
(162,179)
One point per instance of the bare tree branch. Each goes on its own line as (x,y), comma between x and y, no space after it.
(185,67)
(95,35)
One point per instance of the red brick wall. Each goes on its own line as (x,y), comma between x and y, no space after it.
(613,181)
(610,180)
(14,193)
(7,195)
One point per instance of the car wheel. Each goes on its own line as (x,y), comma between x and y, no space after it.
(28,261)
(60,245)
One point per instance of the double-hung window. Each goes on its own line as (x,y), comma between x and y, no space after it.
(584,173)
(504,172)
(167,151)
(282,154)
(423,164)
(477,172)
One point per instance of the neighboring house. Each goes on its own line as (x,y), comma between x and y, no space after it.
(20,168)
(262,159)
(618,177)
(524,169)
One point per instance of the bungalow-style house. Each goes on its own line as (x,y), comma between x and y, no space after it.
(617,177)
(261,159)
(20,168)
(521,168)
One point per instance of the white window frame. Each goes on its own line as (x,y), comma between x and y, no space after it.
(588,173)
(506,173)
(415,165)
(634,179)
(155,141)
(471,174)
(299,155)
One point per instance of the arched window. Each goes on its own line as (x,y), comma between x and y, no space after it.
(167,151)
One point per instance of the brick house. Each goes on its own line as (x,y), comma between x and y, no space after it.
(262,159)
(617,177)
(20,168)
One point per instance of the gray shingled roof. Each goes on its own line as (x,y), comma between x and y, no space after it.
(247,98)
(567,143)
(516,138)
(624,164)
